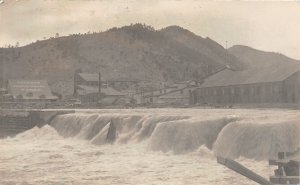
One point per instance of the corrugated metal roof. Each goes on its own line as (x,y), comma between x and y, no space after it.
(30,89)
(94,89)
(271,74)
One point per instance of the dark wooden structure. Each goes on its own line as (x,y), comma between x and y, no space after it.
(288,168)
(287,172)
(88,80)
(13,122)
(90,88)
(235,166)
(96,80)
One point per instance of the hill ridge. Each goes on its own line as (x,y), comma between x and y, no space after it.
(136,51)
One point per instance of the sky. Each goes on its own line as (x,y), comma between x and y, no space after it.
(265,25)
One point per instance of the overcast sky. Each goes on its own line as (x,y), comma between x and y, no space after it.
(269,26)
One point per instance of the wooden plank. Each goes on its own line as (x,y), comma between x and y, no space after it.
(282,162)
(284,179)
(295,159)
(235,166)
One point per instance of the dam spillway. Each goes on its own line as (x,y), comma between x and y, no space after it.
(257,134)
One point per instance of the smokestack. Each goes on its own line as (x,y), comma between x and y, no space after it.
(75,84)
(100,83)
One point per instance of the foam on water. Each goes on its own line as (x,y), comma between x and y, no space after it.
(45,133)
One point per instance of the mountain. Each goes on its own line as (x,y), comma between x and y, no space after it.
(205,46)
(256,59)
(135,52)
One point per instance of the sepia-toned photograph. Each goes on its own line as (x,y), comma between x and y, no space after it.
(149,92)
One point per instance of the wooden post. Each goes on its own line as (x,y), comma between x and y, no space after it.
(288,168)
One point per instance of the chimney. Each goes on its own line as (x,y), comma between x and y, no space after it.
(75,84)
(99,83)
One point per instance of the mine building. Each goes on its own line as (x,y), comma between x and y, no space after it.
(92,93)
(29,91)
(93,79)
(88,79)
(253,86)
(179,93)
(90,87)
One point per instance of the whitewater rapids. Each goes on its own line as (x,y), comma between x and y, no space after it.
(148,146)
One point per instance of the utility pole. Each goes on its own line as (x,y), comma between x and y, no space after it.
(1,71)
(227,57)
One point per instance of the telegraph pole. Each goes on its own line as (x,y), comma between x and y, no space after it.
(227,57)
(1,71)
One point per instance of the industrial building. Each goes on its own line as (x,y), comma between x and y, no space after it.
(176,94)
(275,84)
(29,91)
(89,87)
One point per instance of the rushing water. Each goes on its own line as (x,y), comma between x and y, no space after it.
(156,146)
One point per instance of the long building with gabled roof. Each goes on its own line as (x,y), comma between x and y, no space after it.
(275,84)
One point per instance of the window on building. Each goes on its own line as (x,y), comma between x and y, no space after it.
(20,96)
(42,96)
(258,90)
(236,90)
(232,90)
(242,91)
(30,94)
(275,89)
